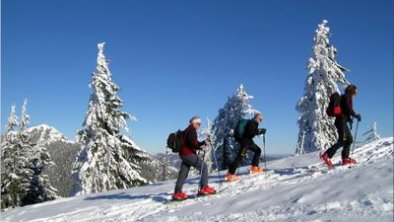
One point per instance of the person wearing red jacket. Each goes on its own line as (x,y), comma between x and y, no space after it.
(189,157)
(345,138)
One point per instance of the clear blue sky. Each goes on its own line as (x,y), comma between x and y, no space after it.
(174,59)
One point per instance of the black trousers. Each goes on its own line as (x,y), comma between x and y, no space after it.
(245,146)
(345,139)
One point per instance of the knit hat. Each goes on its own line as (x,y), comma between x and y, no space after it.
(351,89)
(257,114)
(195,119)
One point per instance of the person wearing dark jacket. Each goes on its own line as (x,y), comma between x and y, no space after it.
(345,138)
(189,157)
(246,143)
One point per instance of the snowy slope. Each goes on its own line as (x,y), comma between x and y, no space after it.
(294,189)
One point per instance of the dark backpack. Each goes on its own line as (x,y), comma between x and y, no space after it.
(175,141)
(240,128)
(334,107)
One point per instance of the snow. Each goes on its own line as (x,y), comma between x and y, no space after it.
(46,134)
(294,189)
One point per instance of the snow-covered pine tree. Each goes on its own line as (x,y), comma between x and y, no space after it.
(39,189)
(300,146)
(209,148)
(25,118)
(108,160)
(372,134)
(16,174)
(12,120)
(321,82)
(237,106)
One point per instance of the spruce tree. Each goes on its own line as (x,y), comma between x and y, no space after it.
(39,189)
(372,134)
(204,134)
(16,172)
(107,160)
(316,129)
(237,107)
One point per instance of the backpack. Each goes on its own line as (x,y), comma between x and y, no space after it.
(240,128)
(175,141)
(334,107)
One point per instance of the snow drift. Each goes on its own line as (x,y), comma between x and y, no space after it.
(297,188)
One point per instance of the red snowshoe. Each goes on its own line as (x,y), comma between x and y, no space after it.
(179,196)
(348,161)
(327,160)
(207,191)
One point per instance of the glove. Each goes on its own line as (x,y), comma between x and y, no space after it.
(350,123)
(262,131)
(358,117)
(208,138)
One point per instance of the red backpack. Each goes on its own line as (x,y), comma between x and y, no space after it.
(334,107)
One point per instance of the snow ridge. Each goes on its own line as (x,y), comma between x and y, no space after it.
(46,134)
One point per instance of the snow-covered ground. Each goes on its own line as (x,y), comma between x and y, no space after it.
(293,189)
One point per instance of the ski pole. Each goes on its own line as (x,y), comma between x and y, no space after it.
(355,138)
(265,155)
(216,164)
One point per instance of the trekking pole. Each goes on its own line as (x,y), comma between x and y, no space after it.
(216,164)
(265,155)
(355,138)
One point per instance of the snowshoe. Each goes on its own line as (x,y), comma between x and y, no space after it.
(348,161)
(207,191)
(327,160)
(231,177)
(255,170)
(179,196)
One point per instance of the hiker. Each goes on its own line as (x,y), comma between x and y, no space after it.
(246,143)
(345,138)
(189,157)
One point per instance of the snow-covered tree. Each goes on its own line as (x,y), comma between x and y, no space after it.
(107,160)
(300,146)
(203,134)
(25,118)
(22,179)
(321,82)
(16,174)
(372,134)
(237,106)
(39,189)
(12,120)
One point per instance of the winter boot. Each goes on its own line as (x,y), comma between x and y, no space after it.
(327,160)
(231,177)
(179,196)
(255,170)
(207,191)
(348,161)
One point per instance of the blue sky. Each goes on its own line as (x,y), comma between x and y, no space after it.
(175,59)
